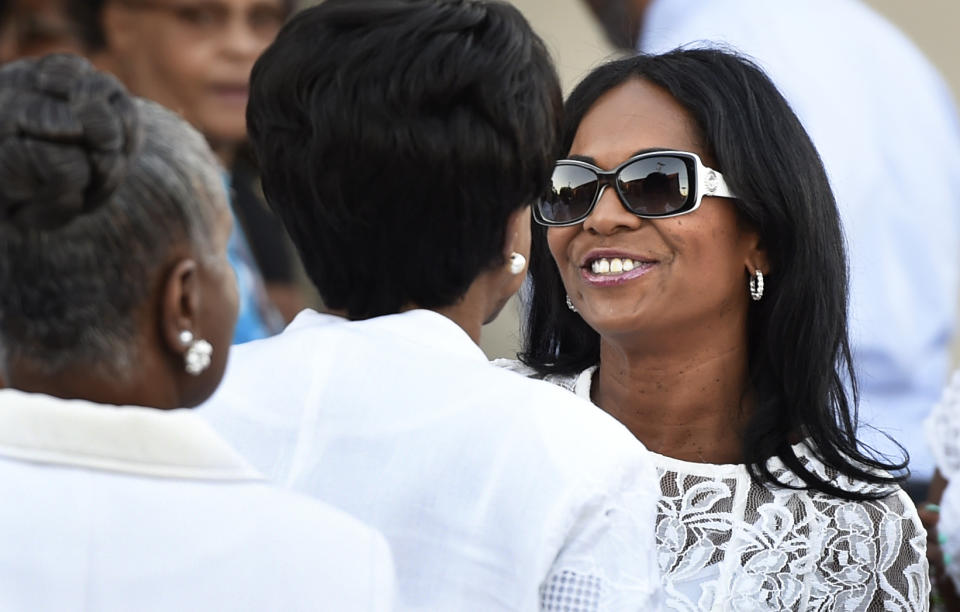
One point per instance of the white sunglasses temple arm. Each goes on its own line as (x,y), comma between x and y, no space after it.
(713,184)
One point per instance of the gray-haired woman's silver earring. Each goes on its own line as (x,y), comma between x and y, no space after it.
(198,355)
(570,305)
(518,263)
(756,286)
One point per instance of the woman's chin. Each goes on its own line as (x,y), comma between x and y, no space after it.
(616,324)
(224,132)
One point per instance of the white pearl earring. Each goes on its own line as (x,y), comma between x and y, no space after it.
(517,263)
(199,353)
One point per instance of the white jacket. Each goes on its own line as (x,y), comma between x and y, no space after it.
(128,508)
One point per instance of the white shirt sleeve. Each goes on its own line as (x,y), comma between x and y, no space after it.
(609,561)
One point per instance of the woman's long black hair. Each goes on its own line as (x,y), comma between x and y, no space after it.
(799,353)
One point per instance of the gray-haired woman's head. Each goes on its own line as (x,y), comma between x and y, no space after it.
(101,194)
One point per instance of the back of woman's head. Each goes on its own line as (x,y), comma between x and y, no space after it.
(799,355)
(396,137)
(97,192)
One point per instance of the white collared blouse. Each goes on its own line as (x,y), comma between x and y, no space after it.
(127,508)
(495,492)
(725,542)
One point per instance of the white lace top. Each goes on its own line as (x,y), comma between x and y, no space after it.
(726,543)
(943,434)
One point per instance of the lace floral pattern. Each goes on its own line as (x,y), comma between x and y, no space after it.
(725,543)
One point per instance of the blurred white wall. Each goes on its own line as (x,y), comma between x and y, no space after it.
(932,25)
(572,36)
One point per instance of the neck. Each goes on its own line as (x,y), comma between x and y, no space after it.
(465,313)
(482,302)
(687,403)
(468,315)
(146,388)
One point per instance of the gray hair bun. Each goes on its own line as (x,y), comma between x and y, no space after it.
(67,134)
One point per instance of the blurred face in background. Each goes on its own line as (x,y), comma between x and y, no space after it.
(36,27)
(193,56)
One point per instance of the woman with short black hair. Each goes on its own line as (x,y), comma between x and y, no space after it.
(689,277)
(401,143)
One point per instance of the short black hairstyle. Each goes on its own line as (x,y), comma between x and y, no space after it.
(799,352)
(96,190)
(396,137)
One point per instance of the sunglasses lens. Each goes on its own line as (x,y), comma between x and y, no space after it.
(571,193)
(657,186)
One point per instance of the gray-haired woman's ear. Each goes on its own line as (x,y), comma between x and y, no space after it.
(66,136)
(101,195)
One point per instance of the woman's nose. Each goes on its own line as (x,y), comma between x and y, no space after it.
(239,39)
(609,214)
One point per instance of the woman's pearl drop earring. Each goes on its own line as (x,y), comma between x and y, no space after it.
(517,263)
(198,355)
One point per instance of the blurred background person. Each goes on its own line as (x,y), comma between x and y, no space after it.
(195,57)
(118,307)
(192,56)
(870,101)
(30,28)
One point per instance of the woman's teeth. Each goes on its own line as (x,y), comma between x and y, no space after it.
(614,265)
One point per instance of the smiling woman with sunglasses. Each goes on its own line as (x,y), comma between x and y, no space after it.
(689,278)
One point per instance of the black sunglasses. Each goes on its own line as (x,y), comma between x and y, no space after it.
(650,185)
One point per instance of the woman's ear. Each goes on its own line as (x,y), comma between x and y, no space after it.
(517,234)
(756,256)
(504,280)
(180,305)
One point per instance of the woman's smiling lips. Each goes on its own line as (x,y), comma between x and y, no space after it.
(604,267)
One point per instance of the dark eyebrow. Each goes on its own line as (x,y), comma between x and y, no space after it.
(592,161)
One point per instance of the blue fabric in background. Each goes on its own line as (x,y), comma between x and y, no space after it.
(250,323)
(256,318)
